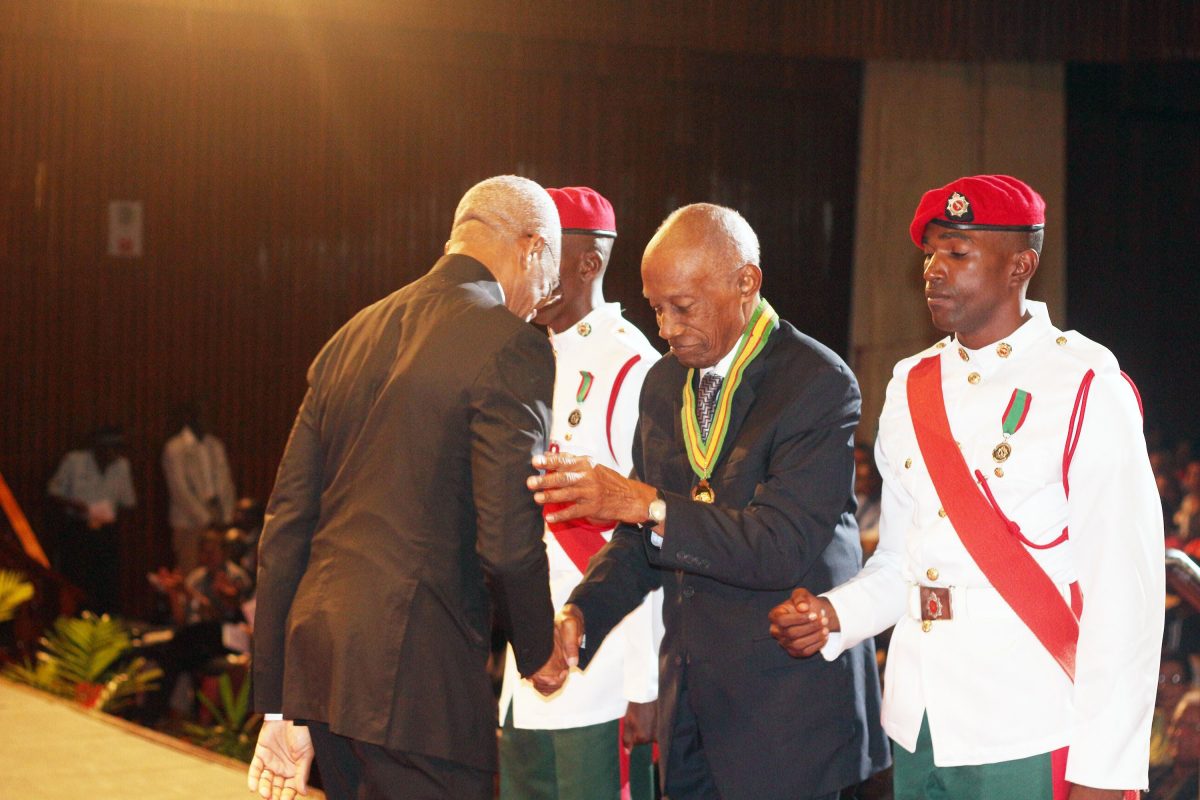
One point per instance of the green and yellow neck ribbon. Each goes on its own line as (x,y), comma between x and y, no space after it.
(702,451)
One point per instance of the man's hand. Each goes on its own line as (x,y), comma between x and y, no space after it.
(593,491)
(282,760)
(802,624)
(568,632)
(1088,793)
(553,674)
(640,719)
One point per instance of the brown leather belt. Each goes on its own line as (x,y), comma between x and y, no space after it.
(935,603)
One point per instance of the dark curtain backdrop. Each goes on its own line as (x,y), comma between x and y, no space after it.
(1133,189)
(292,173)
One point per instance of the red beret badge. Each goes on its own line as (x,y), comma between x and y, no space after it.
(959,207)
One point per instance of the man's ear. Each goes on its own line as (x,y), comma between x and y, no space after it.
(749,279)
(1024,265)
(531,246)
(590,265)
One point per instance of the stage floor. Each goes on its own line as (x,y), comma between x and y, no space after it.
(51,749)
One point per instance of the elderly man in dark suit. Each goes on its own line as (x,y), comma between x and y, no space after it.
(743,488)
(400,495)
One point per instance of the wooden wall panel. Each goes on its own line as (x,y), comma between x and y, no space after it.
(293,169)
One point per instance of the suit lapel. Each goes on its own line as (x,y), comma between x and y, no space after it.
(743,399)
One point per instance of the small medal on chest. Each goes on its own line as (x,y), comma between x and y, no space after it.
(586,379)
(1011,422)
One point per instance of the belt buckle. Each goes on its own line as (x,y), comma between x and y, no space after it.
(935,605)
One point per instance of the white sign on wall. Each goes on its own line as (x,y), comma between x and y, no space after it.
(125,228)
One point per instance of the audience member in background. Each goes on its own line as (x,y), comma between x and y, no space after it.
(93,486)
(1177,779)
(1187,517)
(198,482)
(212,592)
(1174,681)
(248,523)
(868,490)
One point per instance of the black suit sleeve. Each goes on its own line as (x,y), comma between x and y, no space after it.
(791,519)
(509,424)
(291,519)
(618,578)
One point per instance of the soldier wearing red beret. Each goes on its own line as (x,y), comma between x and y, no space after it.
(1020,550)
(568,746)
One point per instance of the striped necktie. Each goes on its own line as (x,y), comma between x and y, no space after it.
(710,385)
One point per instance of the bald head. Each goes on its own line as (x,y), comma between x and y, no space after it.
(510,224)
(717,229)
(700,274)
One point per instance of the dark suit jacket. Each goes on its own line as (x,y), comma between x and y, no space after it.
(772,726)
(401,491)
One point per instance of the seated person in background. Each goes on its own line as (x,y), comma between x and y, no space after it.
(213,591)
(868,492)
(1177,779)
(248,522)
(1174,682)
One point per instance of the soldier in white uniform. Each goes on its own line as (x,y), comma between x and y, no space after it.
(567,746)
(1021,541)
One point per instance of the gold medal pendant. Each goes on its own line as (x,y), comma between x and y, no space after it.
(703,493)
(1001,452)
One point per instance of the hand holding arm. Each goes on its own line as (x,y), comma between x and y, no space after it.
(593,490)
(802,624)
(282,760)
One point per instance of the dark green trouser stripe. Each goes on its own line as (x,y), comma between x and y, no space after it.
(916,778)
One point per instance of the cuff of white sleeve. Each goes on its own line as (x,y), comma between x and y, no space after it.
(656,540)
(272,717)
(833,646)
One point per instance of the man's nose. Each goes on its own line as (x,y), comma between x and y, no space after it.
(668,328)
(933,269)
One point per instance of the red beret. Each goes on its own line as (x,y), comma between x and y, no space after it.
(980,202)
(584,210)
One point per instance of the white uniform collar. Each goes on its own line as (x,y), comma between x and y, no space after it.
(1015,345)
(587,327)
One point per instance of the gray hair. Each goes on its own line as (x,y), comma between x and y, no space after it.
(724,229)
(511,206)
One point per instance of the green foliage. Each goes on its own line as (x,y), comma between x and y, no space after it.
(42,674)
(83,658)
(14,590)
(234,731)
(86,647)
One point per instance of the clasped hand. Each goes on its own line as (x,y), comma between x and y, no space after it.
(591,490)
(801,624)
(568,632)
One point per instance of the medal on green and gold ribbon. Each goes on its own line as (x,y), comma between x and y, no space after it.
(702,451)
(1011,422)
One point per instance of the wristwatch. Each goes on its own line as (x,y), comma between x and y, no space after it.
(656,514)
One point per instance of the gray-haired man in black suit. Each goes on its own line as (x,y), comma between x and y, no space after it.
(400,502)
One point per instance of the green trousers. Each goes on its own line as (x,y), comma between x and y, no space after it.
(916,778)
(570,764)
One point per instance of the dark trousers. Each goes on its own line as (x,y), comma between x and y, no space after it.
(90,561)
(688,776)
(354,770)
